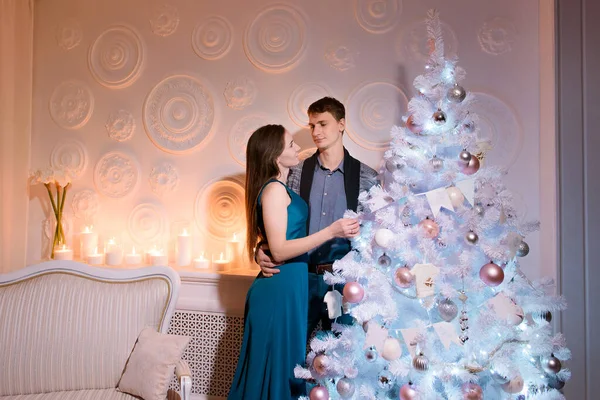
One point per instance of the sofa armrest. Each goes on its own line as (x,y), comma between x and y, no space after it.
(184,376)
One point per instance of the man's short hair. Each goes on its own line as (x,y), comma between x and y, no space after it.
(330,105)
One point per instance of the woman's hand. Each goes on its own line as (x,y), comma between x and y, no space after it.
(345,228)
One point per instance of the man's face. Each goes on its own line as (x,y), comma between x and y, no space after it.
(325,130)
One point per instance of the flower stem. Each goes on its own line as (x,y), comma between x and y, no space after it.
(54,208)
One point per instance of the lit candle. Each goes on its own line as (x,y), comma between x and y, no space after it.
(234,249)
(158,258)
(88,240)
(63,253)
(113,253)
(221,264)
(95,258)
(184,249)
(133,258)
(201,262)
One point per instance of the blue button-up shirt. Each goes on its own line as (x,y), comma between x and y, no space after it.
(327,204)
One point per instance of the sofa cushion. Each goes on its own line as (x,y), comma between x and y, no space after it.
(152,363)
(97,394)
(61,331)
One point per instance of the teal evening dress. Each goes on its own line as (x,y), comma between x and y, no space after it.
(275,322)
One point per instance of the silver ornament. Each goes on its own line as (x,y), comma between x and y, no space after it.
(345,388)
(436,163)
(499,378)
(464,156)
(385,380)
(439,117)
(421,363)
(522,249)
(428,67)
(541,317)
(471,237)
(447,309)
(384,261)
(456,94)
(394,164)
(551,364)
(463,338)
(371,354)
(479,210)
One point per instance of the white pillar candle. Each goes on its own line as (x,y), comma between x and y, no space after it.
(113,253)
(201,262)
(184,249)
(133,258)
(88,241)
(159,259)
(63,253)
(95,258)
(221,264)
(234,250)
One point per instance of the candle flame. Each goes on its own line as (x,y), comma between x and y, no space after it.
(64,247)
(221,257)
(86,230)
(234,236)
(185,232)
(95,251)
(133,250)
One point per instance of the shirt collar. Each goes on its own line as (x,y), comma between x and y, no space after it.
(339,167)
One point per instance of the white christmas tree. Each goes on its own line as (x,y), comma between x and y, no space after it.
(441,307)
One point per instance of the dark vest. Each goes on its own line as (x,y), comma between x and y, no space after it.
(351,179)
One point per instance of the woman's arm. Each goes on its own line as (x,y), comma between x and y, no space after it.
(275,201)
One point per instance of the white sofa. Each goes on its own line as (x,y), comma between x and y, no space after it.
(67,329)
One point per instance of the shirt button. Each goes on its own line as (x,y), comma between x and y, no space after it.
(324,194)
(329,176)
(324,213)
(319,253)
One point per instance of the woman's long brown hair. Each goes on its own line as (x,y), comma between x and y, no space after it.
(264,147)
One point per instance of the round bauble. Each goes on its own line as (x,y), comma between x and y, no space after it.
(551,364)
(353,292)
(413,126)
(384,261)
(371,354)
(448,310)
(472,391)
(319,364)
(439,117)
(471,238)
(554,383)
(456,94)
(499,378)
(403,277)
(541,317)
(436,163)
(516,317)
(421,363)
(471,167)
(392,349)
(429,228)
(394,164)
(385,380)
(408,392)
(384,237)
(456,196)
(464,156)
(319,393)
(345,388)
(513,386)
(522,249)
(491,274)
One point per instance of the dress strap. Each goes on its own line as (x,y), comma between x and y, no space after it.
(265,185)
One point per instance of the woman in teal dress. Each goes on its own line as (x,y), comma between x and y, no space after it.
(277,307)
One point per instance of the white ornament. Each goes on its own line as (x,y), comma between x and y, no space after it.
(456,196)
(384,237)
(392,349)
(333,299)
(425,275)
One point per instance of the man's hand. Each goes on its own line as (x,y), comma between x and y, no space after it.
(266,264)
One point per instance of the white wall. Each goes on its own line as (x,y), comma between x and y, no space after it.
(365,53)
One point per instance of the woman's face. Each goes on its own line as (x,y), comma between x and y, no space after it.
(289,156)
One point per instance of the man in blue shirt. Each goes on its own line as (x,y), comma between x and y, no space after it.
(330,182)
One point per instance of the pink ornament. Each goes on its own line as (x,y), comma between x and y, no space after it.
(403,277)
(472,391)
(429,228)
(353,292)
(392,349)
(319,393)
(491,274)
(412,126)
(320,364)
(471,167)
(408,392)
